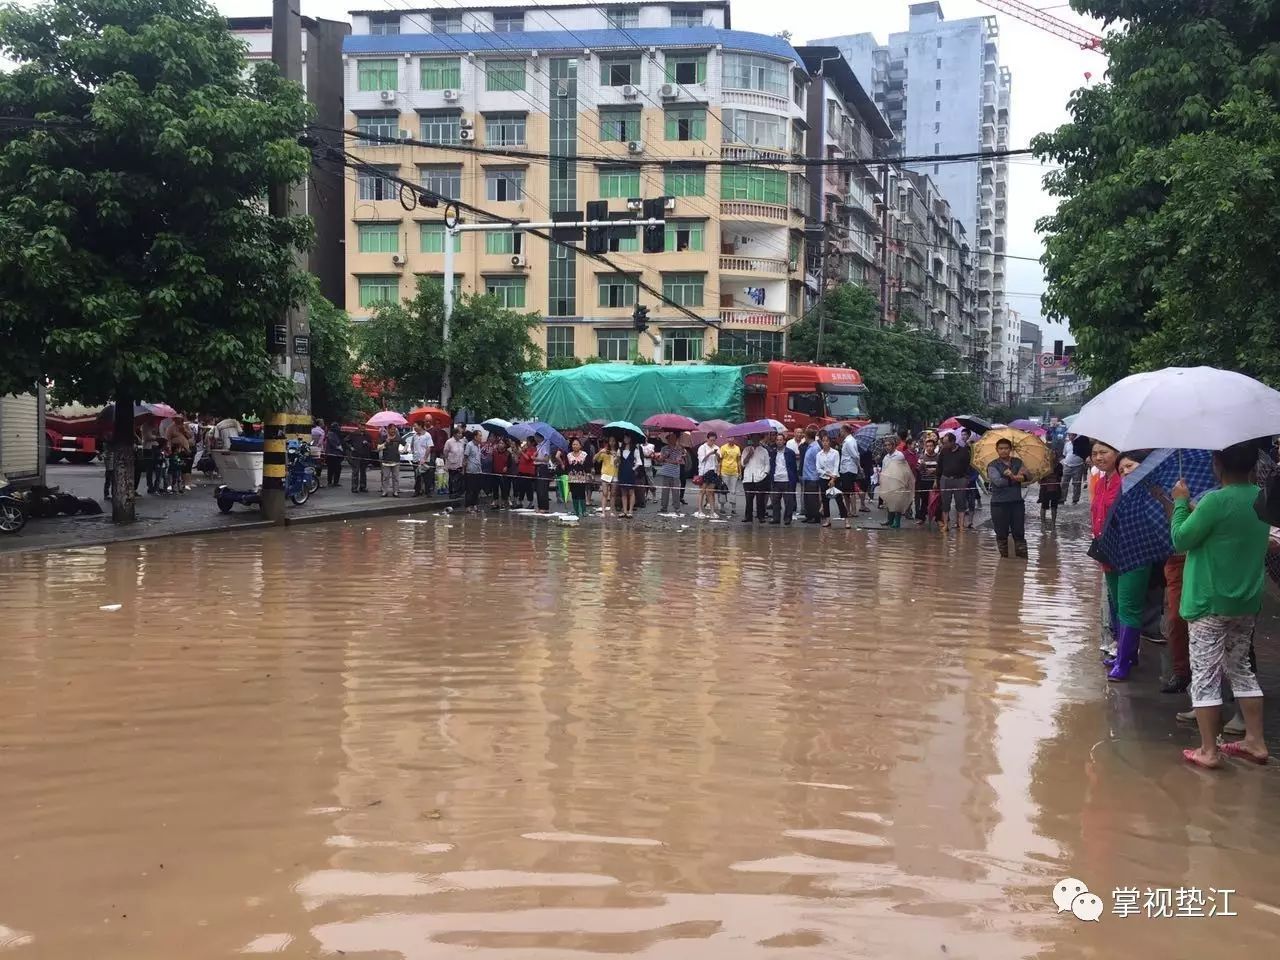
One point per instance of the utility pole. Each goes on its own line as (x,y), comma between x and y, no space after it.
(884,247)
(288,336)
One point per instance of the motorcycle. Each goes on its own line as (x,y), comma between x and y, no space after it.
(13,508)
(301,480)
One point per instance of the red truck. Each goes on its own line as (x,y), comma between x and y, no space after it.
(74,433)
(804,394)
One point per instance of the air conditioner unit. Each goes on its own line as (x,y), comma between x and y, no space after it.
(466,136)
(388,96)
(669,91)
(518,260)
(397,259)
(630,92)
(793,266)
(670,203)
(466,123)
(451,95)
(562,89)
(635,146)
(635,204)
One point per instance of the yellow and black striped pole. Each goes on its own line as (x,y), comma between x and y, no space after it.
(274,464)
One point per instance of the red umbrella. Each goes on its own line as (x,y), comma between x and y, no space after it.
(951,423)
(441,418)
(670,421)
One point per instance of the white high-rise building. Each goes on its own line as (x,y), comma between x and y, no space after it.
(943,91)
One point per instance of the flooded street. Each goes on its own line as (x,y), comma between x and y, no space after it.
(494,738)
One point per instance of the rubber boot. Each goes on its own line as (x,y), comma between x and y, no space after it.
(1003,546)
(1127,641)
(1020,549)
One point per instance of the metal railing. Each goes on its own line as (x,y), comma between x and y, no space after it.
(751,210)
(750,265)
(752,317)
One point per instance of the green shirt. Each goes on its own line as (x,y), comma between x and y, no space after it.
(1226,548)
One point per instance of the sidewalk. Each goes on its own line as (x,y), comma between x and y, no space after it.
(196,512)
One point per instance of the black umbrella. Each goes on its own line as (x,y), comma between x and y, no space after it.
(975,425)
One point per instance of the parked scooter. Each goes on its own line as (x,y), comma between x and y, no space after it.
(13,508)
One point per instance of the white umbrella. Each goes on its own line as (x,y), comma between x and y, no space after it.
(1189,407)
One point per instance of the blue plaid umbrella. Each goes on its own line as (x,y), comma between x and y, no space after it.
(872,432)
(1137,533)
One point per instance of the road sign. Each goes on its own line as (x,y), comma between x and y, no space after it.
(1050,361)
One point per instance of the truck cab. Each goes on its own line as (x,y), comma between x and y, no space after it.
(804,394)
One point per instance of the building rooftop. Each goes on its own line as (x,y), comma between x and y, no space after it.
(830,62)
(486,7)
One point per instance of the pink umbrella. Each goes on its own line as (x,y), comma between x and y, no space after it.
(670,421)
(386,418)
(718,427)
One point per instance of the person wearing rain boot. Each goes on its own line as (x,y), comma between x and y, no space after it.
(1126,593)
(1006,476)
(1226,547)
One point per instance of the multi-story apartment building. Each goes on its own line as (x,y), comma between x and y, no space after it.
(322,194)
(943,91)
(846,129)
(632,101)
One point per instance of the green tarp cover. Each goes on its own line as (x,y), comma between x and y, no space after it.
(607,391)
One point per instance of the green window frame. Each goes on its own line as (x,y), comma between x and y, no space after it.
(504,74)
(615,290)
(377,75)
(441,73)
(682,345)
(756,345)
(793,249)
(685,182)
(619,346)
(619,124)
(438,278)
(624,244)
(686,289)
(686,123)
(754,183)
(619,182)
(376,290)
(745,71)
(685,68)
(560,342)
(619,71)
(503,242)
(508,290)
(378,237)
(684,235)
(431,238)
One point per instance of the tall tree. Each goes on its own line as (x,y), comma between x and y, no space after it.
(489,348)
(333,359)
(912,377)
(137,261)
(1162,250)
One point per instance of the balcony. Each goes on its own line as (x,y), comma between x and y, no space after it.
(750,210)
(756,98)
(742,151)
(755,266)
(752,317)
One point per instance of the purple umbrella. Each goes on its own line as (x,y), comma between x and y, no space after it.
(749,429)
(669,421)
(1024,424)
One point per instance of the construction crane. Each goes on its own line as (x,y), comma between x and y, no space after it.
(1045,21)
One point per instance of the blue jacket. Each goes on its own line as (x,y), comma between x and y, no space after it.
(793,476)
(811,463)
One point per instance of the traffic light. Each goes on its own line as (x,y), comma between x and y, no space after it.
(597,237)
(640,318)
(655,238)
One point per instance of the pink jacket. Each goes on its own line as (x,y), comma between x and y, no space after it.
(1104,495)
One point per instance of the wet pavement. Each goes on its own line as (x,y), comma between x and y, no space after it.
(495,737)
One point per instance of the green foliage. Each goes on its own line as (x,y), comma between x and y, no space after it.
(1162,250)
(489,347)
(728,358)
(564,363)
(134,260)
(333,360)
(900,367)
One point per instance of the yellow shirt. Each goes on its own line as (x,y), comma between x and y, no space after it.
(608,464)
(730,459)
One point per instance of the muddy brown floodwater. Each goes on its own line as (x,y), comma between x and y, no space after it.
(492,738)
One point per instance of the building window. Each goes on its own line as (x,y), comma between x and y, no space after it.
(446,23)
(937,106)
(377,75)
(377,185)
(619,124)
(441,73)
(937,127)
(384,24)
(444,181)
(686,123)
(753,183)
(679,346)
(508,290)
(619,71)
(793,249)
(939,43)
(629,244)
(684,288)
(937,148)
(688,17)
(743,71)
(684,235)
(378,237)
(503,242)
(505,129)
(503,185)
(438,278)
(622,18)
(379,125)
(755,129)
(440,127)
(617,290)
(378,290)
(686,68)
(758,345)
(938,63)
(617,345)
(507,22)
(559,342)
(937,84)
(431,238)
(619,182)
(504,75)
(685,181)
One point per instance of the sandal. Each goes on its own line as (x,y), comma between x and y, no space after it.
(1235,748)
(1190,757)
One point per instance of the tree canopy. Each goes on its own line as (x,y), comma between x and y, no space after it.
(1162,250)
(913,377)
(333,360)
(137,260)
